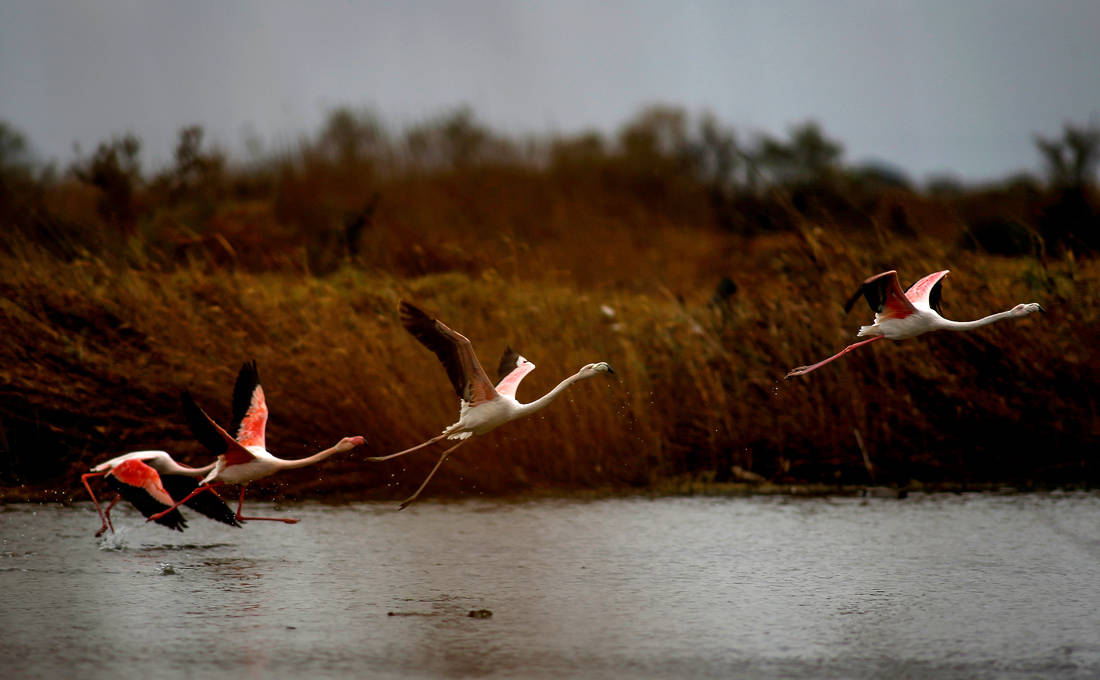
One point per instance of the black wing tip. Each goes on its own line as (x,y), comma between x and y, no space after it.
(216,510)
(873,289)
(410,313)
(935,296)
(420,323)
(507,362)
(861,292)
(248,377)
(207,504)
(201,425)
(191,409)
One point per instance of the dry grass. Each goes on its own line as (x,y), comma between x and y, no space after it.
(94,357)
(99,333)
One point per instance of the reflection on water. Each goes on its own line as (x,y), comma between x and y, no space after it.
(930,586)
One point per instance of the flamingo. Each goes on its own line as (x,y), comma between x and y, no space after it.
(244,459)
(905,315)
(151,481)
(482,407)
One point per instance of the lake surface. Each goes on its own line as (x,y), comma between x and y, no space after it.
(933,586)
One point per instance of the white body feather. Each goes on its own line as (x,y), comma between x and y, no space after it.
(264,464)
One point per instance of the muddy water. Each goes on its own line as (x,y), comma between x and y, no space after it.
(932,586)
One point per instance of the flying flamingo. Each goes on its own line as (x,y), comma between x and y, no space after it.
(151,481)
(482,407)
(905,315)
(245,458)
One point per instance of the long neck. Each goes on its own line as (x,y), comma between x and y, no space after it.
(949,325)
(315,458)
(171,467)
(201,472)
(550,396)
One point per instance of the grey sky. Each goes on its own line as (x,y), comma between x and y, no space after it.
(937,86)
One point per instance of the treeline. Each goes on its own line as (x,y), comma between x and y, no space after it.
(312,202)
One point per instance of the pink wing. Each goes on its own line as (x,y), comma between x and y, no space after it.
(926,290)
(508,386)
(254,423)
(137,474)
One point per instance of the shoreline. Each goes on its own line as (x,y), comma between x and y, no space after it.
(668,489)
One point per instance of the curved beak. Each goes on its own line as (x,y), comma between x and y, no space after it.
(610,370)
(1041,309)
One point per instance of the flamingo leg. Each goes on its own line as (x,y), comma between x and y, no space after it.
(240,504)
(378,459)
(107,514)
(442,458)
(106,521)
(803,370)
(197,491)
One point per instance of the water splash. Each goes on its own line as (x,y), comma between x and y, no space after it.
(114,541)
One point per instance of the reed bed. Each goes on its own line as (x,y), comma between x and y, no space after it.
(102,326)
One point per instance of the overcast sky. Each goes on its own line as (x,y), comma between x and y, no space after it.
(931,86)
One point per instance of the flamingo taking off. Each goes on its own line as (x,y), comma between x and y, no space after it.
(483,407)
(905,315)
(151,481)
(245,458)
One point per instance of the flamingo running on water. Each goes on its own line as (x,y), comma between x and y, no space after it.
(245,458)
(151,481)
(483,407)
(905,315)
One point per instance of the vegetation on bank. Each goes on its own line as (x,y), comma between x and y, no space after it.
(700,265)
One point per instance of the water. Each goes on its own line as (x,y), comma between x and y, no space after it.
(971,586)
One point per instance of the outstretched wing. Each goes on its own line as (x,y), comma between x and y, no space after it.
(249,407)
(141,486)
(884,296)
(211,435)
(178,486)
(455,352)
(512,370)
(928,290)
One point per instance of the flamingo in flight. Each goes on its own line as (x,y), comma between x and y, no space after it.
(151,481)
(483,407)
(905,315)
(245,458)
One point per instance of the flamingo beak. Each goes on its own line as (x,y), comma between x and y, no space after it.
(1041,308)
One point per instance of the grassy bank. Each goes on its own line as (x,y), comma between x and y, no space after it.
(104,319)
(94,358)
